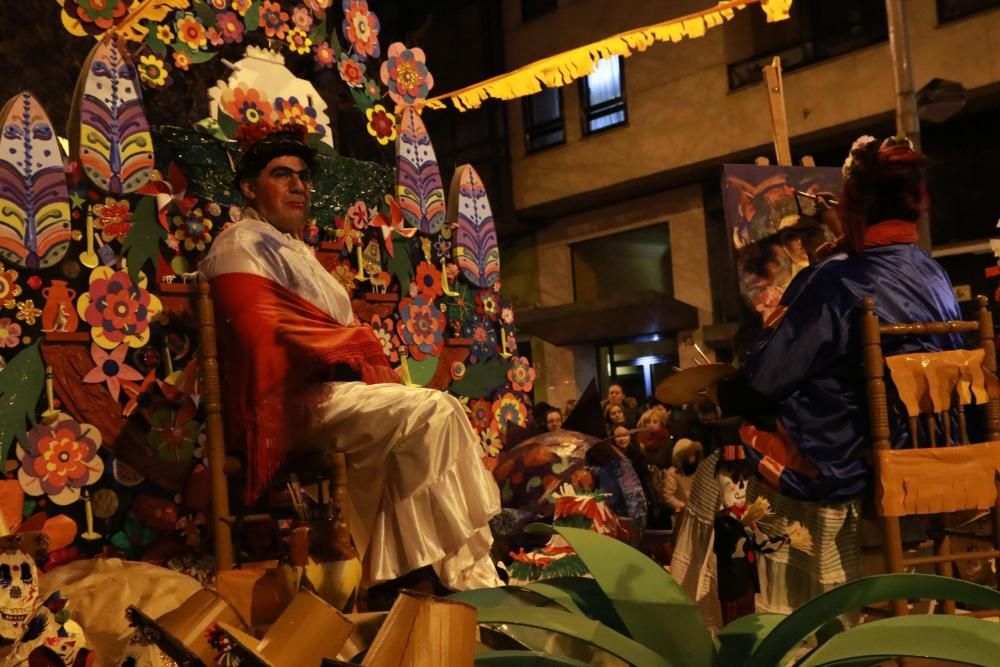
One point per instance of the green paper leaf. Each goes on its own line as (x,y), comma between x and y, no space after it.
(739,639)
(524,659)
(959,639)
(196,57)
(318,33)
(583,596)
(204,13)
(361,101)
(481,379)
(401,266)
(154,43)
(652,605)
(583,629)
(252,19)
(799,626)
(502,596)
(421,372)
(228,125)
(142,245)
(21,385)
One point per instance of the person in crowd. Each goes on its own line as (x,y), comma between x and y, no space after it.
(553,419)
(680,477)
(570,404)
(614,416)
(616,396)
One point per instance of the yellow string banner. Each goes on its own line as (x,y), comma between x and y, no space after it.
(563,68)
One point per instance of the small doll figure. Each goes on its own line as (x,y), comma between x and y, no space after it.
(738,541)
(311,233)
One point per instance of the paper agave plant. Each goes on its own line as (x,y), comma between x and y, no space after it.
(632,612)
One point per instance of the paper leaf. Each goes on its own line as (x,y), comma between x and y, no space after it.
(155,44)
(318,33)
(652,605)
(580,595)
(146,12)
(401,267)
(252,17)
(196,57)
(204,12)
(956,639)
(228,125)
(481,379)
(21,385)
(422,371)
(142,245)
(799,626)
(582,629)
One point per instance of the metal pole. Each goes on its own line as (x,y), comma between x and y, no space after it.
(907,120)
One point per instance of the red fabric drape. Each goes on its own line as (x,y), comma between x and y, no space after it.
(274,344)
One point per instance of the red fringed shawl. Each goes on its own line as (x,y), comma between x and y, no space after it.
(273,345)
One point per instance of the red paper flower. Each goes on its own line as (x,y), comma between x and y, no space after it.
(59,459)
(351,70)
(231,26)
(361,28)
(381,124)
(324,55)
(421,327)
(273,20)
(480,413)
(246,106)
(428,281)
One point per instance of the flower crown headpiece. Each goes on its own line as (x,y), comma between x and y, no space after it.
(866,143)
(250,134)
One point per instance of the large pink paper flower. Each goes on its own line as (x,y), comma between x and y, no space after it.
(405,74)
(111,368)
(59,459)
(521,374)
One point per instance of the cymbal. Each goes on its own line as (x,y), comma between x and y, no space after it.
(688,385)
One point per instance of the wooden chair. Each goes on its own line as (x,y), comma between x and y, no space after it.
(934,478)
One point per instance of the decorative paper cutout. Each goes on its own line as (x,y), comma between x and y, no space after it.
(34,200)
(476,251)
(418,177)
(59,459)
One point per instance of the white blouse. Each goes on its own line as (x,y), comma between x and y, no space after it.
(255,246)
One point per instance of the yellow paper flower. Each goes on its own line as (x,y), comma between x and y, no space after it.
(298,41)
(191,32)
(117,309)
(164,34)
(152,71)
(27,313)
(381,124)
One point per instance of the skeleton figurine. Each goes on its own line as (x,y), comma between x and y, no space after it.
(18,593)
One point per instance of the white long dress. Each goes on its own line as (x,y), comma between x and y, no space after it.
(420,494)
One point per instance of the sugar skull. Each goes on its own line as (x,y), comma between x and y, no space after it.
(18,592)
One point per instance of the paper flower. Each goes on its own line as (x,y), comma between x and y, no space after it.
(357,214)
(492,442)
(318,7)
(302,18)
(133,536)
(174,434)
(111,368)
(344,230)
(181,60)
(246,105)
(421,327)
(480,413)
(508,410)
(118,310)
(324,55)
(507,315)
(371,90)
(153,71)
(361,28)
(27,312)
(241,7)
(113,218)
(521,374)
(190,31)
(10,333)
(273,20)
(230,26)
(351,70)
(381,124)
(484,338)
(59,459)
(164,34)
(384,331)
(9,289)
(486,305)
(214,36)
(442,250)
(95,16)
(292,112)
(405,74)
(298,41)
(428,280)
(194,229)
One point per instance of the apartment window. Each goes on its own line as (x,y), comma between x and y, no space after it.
(602,97)
(952,10)
(543,120)
(598,271)
(817,30)
(532,9)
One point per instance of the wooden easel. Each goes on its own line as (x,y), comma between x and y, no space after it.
(779,121)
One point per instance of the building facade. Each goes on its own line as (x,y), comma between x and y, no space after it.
(622,268)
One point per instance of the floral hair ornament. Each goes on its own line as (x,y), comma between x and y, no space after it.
(860,145)
(250,134)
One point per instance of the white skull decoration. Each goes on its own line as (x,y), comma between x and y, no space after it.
(18,592)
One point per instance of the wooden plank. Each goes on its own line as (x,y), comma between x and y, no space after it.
(779,122)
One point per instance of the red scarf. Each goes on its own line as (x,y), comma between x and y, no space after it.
(274,346)
(889,232)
